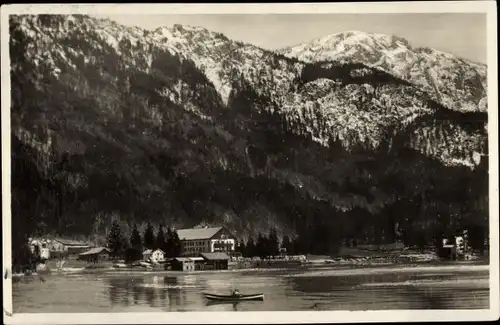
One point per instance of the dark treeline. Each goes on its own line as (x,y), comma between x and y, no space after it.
(268,246)
(264,246)
(168,241)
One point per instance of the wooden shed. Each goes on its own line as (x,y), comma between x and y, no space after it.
(183,264)
(199,262)
(216,261)
(95,255)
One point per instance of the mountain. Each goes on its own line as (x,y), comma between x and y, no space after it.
(456,83)
(181,126)
(225,62)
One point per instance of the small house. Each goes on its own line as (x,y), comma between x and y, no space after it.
(146,255)
(154,256)
(40,247)
(216,261)
(95,255)
(460,245)
(183,264)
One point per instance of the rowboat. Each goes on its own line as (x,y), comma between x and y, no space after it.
(233,297)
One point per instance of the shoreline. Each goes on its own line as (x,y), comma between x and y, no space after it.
(309,269)
(387,269)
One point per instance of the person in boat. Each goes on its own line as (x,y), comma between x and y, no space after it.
(236,293)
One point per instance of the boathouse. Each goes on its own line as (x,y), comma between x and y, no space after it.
(215,261)
(199,262)
(95,255)
(183,264)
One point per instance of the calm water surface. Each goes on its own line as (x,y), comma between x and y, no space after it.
(329,288)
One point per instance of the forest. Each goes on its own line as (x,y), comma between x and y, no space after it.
(131,250)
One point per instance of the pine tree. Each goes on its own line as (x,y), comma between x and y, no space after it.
(160,239)
(286,244)
(250,248)
(149,237)
(134,252)
(176,245)
(261,246)
(272,243)
(335,145)
(477,238)
(241,248)
(115,241)
(169,243)
(296,246)
(135,239)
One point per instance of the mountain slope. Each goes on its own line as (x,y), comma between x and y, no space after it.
(280,81)
(455,83)
(228,65)
(116,122)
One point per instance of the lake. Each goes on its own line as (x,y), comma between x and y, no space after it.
(318,288)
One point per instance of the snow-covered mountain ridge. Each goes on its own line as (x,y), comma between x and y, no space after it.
(325,101)
(456,83)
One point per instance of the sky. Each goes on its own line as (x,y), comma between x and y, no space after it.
(462,34)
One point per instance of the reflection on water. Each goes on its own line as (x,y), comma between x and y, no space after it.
(140,292)
(214,303)
(403,291)
(155,291)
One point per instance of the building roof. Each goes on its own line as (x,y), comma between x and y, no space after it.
(70,242)
(215,256)
(183,259)
(66,242)
(151,251)
(197,233)
(96,250)
(197,258)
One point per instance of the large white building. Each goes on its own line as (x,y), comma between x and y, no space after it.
(206,240)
